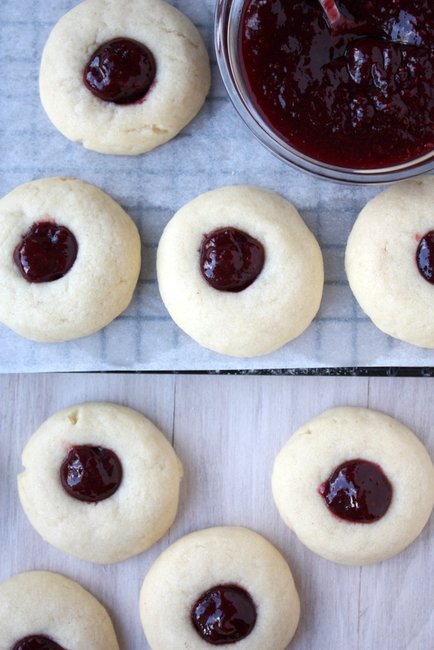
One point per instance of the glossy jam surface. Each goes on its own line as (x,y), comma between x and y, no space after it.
(425,256)
(91,474)
(230,259)
(46,252)
(37,642)
(224,614)
(120,71)
(360,100)
(357,491)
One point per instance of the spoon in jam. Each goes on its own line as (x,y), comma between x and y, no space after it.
(405,30)
(338,23)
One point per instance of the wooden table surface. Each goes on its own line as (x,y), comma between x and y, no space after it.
(227,431)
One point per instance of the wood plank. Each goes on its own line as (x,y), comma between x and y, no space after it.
(397,595)
(234,427)
(27,401)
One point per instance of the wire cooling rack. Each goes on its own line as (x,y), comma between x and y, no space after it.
(216,149)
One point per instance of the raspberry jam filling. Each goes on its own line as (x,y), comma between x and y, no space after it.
(224,614)
(120,71)
(230,259)
(37,642)
(46,252)
(425,257)
(357,491)
(360,100)
(91,474)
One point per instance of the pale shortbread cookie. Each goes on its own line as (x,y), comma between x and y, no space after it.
(381,265)
(212,557)
(100,284)
(281,302)
(134,517)
(48,604)
(181,84)
(325,442)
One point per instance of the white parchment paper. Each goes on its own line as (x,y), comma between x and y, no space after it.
(216,149)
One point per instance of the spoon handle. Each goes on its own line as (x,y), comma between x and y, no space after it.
(338,23)
(333,15)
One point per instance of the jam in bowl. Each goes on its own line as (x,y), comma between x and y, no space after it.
(353,105)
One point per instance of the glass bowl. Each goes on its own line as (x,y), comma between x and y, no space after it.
(227,23)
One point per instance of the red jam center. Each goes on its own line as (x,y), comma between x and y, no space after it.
(231,260)
(120,71)
(37,642)
(362,99)
(357,491)
(224,614)
(91,474)
(46,252)
(425,256)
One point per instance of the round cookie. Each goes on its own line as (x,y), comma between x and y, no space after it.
(233,558)
(340,515)
(381,261)
(99,284)
(41,603)
(275,307)
(176,93)
(108,513)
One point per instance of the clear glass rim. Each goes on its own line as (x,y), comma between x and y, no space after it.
(227,15)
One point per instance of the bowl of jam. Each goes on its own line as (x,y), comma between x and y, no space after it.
(352,104)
